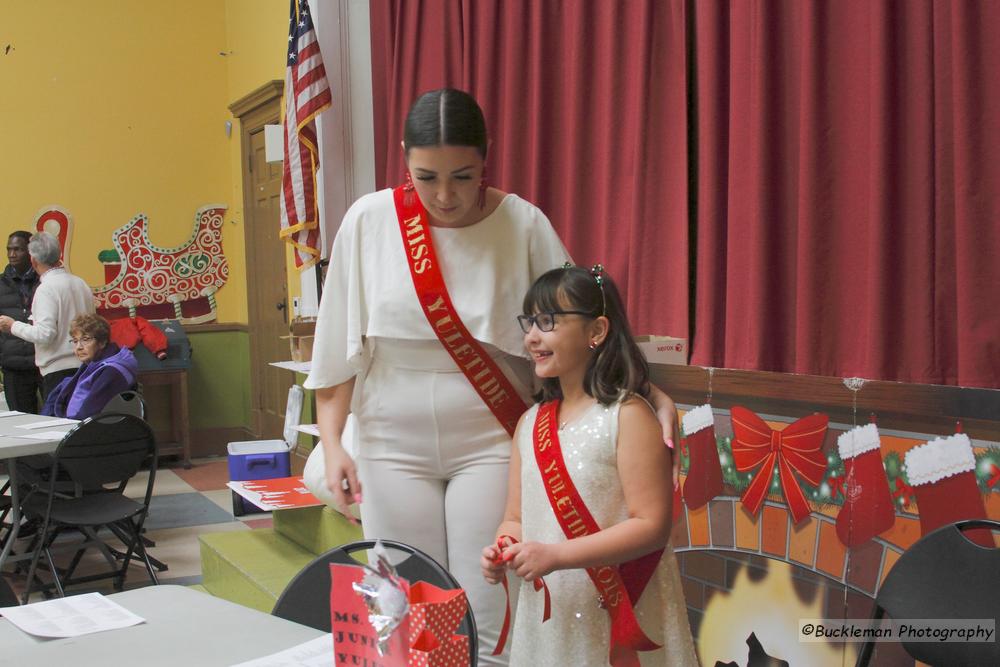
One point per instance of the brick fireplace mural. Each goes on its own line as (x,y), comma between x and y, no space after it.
(746,572)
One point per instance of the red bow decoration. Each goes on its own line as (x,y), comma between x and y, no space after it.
(903,492)
(837,486)
(994,476)
(796,448)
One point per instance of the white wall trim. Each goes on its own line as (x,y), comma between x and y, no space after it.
(345,132)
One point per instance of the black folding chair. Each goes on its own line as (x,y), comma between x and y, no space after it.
(129,402)
(97,457)
(944,576)
(306,599)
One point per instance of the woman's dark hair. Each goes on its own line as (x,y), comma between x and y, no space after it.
(445,117)
(617,364)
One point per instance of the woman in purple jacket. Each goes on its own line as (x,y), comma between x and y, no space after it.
(106,371)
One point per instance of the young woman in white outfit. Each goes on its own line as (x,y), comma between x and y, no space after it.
(432,456)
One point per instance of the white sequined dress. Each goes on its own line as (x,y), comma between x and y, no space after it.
(578,633)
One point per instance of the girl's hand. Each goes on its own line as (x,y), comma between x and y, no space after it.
(492,565)
(340,468)
(531,560)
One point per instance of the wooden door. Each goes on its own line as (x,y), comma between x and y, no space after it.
(267,283)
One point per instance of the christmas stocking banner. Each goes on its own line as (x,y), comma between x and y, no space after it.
(704,477)
(868,508)
(942,474)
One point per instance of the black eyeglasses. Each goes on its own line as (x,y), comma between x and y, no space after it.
(546,321)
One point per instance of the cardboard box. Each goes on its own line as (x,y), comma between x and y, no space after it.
(663,349)
(301,335)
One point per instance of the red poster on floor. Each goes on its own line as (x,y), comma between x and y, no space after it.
(275,494)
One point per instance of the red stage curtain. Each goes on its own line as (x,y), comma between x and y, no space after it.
(587,114)
(842,164)
(848,188)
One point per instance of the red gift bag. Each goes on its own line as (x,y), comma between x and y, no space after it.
(435,615)
(425,638)
(354,638)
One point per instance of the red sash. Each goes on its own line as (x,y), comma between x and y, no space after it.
(478,367)
(619,586)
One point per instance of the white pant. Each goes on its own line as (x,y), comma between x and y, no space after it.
(433,465)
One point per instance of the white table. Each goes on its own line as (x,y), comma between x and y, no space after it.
(14,444)
(183,627)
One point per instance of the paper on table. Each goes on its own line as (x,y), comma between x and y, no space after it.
(49,423)
(314,653)
(71,617)
(11,413)
(44,435)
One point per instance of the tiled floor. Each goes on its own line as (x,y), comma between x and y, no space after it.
(186,504)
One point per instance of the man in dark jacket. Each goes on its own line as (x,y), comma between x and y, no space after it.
(21,379)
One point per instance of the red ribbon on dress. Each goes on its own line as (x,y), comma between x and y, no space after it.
(796,448)
(618,586)
(539,586)
(483,374)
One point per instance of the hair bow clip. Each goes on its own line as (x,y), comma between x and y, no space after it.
(598,272)
(567,265)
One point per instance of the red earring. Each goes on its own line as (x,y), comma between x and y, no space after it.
(408,189)
(482,190)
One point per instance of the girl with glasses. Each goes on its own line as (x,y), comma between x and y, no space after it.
(589,493)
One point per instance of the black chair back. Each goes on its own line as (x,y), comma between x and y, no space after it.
(944,576)
(85,492)
(129,402)
(306,599)
(106,451)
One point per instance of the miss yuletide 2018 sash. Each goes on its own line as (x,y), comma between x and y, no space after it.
(619,586)
(482,372)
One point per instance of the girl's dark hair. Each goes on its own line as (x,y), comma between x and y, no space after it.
(445,117)
(617,364)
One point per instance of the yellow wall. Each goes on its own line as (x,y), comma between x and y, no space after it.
(256,39)
(112,108)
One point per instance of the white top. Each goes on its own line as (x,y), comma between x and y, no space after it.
(487,267)
(60,297)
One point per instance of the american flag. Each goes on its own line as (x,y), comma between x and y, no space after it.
(307,94)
